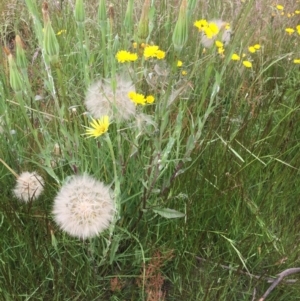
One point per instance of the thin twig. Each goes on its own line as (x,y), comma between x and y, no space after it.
(278,280)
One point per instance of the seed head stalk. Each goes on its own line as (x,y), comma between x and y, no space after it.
(116,196)
(102,18)
(79,15)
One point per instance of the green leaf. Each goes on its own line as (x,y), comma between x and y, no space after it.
(168,213)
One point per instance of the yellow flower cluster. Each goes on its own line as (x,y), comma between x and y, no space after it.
(246,63)
(210,29)
(140,99)
(61,32)
(254,48)
(290,14)
(290,30)
(154,52)
(220,47)
(124,56)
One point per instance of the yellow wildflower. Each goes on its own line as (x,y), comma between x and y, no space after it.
(160,54)
(289,30)
(183,72)
(150,99)
(124,56)
(251,49)
(279,7)
(201,24)
(153,51)
(219,44)
(221,50)
(256,46)
(98,127)
(297,12)
(211,30)
(179,63)
(235,57)
(60,32)
(296,61)
(138,99)
(247,64)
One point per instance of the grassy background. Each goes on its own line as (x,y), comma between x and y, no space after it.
(238,184)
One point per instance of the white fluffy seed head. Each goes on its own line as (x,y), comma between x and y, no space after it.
(224,34)
(101,100)
(84,207)
(29,186)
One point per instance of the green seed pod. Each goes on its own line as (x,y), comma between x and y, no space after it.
(143,27)
(79,12)
(20,54)
(128,20)
(51,46)
(14,75)
(180,34)
(102,16)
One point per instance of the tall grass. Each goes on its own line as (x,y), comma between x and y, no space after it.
(206,185)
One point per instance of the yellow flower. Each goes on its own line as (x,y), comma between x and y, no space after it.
(221,50)
(160,54)
(297,12)
(201,24)
(219,44)
(138,99)
(150,51)
(150,99)
(289,30)
(211,30)
(134,45)
(251,49)
(227,26)
(247,64)
(183,72)
(235,57)
(257,46)
(296,61)
(179,63)
(289,15)
(61,31)
(98,127)
(154,51)
(298,29)
(279,7)
(124,56)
